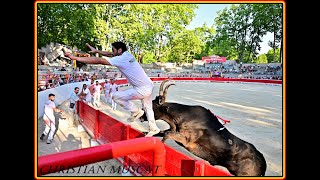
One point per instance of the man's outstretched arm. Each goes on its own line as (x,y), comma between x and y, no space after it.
(104,53)
(89,60)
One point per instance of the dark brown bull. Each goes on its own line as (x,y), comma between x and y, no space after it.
(199,131)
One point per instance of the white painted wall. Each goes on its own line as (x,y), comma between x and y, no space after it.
(62,93)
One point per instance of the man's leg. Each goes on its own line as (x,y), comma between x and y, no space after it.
(45,132)
(147,105)
(98,99)
(51,133)
(123,98)
(95,98)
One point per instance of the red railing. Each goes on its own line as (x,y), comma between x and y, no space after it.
(266,81)
(66,160)
(106,129)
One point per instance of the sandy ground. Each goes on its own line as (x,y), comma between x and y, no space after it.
(255,111)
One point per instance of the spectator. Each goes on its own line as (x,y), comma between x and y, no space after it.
(97,92)
(106,91)
(73,102)
(85,93)
(113,89)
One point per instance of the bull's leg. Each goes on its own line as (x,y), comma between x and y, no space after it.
(175,136)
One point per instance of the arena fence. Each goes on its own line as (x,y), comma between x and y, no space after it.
(130,147)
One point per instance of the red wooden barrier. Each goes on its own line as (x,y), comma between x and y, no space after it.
(65,160)
(177,163)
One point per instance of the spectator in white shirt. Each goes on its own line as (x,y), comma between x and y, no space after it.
(86,93)
(131,69)
(49,119)
(113,89)
(106,91)
(96,94)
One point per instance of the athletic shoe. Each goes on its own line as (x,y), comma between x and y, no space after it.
(135,116)
(49,141)
(153,132)
(42,136)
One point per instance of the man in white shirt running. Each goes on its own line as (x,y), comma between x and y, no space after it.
(106,91)
(97,92)
(49,119)
(113,89)
(131,69)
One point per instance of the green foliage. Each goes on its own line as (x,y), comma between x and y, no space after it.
(270,56)
(262,58)
(240,29)
(158,31)
(149,58)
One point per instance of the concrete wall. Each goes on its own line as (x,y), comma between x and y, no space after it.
(62,93)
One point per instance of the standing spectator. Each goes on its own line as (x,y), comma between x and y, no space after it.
(113,89)
(49,119)
(106,91)
(91,87)
(73,102)
(97,92)
(86,93)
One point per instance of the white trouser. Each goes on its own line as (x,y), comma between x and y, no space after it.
(50,128)
(96,98)
(106,97)
(123,98)
(114,104)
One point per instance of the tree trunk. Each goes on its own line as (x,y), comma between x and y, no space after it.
(274,43)
(281,51)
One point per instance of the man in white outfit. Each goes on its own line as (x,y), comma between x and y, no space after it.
(131,69)
(97,92)
(49,119)
(113,89)
(106,88)
(86,93)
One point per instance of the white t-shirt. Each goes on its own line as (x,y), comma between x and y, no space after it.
(107,87)
(88,94)
(48,111)
(113,88)
(131,69)
(97,89)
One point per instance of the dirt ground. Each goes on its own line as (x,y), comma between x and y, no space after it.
(255,112)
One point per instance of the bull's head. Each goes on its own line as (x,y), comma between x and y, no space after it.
(159,101)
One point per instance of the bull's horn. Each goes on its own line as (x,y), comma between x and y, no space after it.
(161,86)
(164,96)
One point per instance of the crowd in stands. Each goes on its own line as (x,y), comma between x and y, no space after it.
(58,77)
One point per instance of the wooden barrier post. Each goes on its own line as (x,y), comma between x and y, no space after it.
(127,137)
(96,125)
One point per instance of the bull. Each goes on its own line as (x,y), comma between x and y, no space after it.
(199,131)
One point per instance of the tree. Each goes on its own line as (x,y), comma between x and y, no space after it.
(274,20)
(185,45)
(261,59)
(240,29)
(273,58)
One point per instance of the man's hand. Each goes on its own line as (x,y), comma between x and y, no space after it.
(93,50)
(69,55)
